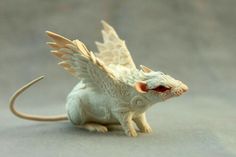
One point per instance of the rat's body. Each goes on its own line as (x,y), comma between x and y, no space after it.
(85,106)
(111,89)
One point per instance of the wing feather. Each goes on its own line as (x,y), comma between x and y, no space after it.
(113,50)
(83,64)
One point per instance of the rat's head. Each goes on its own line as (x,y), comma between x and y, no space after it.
(157,86)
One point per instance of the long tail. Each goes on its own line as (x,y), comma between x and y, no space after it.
(29,116)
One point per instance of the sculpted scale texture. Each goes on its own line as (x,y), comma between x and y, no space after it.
(111,89)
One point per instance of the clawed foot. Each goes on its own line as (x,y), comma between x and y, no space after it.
(103,129)
(95,127)
(131,133)
(146,129)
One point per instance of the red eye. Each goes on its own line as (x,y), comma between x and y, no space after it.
(161,88)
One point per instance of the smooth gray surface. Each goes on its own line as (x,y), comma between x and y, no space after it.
(194,41)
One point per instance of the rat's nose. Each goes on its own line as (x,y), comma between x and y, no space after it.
(184,87)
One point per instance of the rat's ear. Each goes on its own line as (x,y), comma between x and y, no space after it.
(145,69)
(141,87)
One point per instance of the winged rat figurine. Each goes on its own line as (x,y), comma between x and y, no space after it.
(111,90)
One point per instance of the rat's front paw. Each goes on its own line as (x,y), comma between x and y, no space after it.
(146,129)
(131,133)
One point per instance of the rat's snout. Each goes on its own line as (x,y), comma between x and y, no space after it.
(184,87)
(179,90)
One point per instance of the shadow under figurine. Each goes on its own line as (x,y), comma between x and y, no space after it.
(111,89)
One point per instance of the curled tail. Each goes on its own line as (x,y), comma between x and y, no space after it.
(29,116)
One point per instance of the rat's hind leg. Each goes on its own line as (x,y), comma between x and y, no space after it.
(76,112)
(94,127)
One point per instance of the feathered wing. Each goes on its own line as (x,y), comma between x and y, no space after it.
(82,63)
(113,50)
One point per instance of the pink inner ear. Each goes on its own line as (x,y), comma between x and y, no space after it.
(141,87)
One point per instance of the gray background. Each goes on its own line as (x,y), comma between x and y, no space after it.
(194,41)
